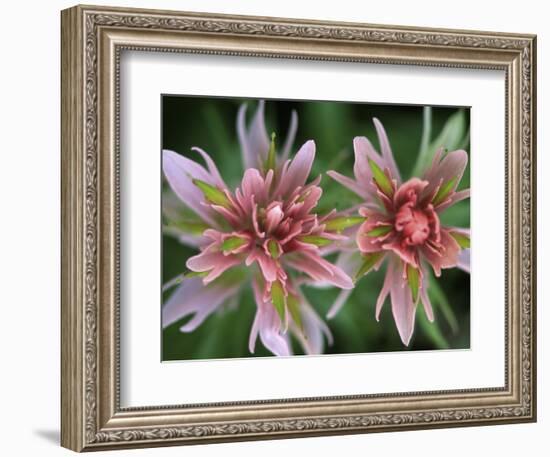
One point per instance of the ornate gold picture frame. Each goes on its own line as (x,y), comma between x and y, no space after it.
(93,40)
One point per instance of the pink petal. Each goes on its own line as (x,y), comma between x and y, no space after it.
(179,172)
(254,330)
(319,269)
(298,170)
(315,329)
(273,216)
(402,306)
(447,258)
(349,262)
(366,243)
(339,303)
(454,198)
(290,136)
(407,253)
(409,192)
(191,240)
(255,222)
(249,160)
(254,141)
(212,168)
(424,296)
(268,325)
(188,167)
(452,166)
(278,344)
(349,183)
(388,282)
(215,235)
(387,153)
(193,297)
(464,260)
(213,262)
(230,215)
(253,184)
(268,266)
(188,239)
(364,150)
(294,230)
(301,209)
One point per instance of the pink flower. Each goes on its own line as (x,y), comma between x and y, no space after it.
(403,226)
(268,224)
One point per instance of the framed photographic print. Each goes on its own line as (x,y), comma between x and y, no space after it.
(280,228)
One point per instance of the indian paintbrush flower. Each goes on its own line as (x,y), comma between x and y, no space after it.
(268,222)
(402,225)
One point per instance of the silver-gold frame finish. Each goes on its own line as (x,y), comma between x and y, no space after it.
(93,39)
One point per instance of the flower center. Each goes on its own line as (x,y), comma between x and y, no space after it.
(413,223)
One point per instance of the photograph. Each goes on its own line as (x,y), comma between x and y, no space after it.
(267,225)
(309,227)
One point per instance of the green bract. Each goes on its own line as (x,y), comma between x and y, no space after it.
(462,240)
(413,279)
(278,299)
(380,231)
(341,223)
(444,191)
(212,194)
(316,240)
(233,242)
(369,261)
(294,308)
(271,155)
(381,179)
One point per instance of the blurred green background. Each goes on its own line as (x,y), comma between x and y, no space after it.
(210,123)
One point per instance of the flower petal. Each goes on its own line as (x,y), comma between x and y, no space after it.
(212,168)
(364,151)
(180,172)
(273,216)
(447,257)
(193,297)
(319,269)
(387,153)
(249,160)
(464,260)
(339,303)
(229,214)
(254,141)
(403,308)
(349,183)
(268,266)
(442,171)
(268,325)
(254,330)
(349,262)
(213,262)
(253,184)
(290,136)
(312,339)
(388,282)
(455,197)
(424,295)
(366,237)
(409,192)
(188,239)
(296,173)
(309,201)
